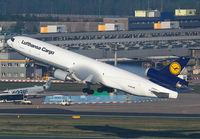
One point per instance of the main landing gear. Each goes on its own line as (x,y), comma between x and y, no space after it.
(105,88)
(88,91)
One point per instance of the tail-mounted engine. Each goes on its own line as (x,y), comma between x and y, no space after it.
(165,79)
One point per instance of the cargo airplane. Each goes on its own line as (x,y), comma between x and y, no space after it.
(28,91)
(70,65)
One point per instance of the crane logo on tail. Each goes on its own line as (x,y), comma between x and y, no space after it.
(175,68)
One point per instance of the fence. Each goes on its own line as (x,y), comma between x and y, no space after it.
(97,99)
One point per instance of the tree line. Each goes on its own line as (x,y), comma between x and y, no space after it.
(91,7)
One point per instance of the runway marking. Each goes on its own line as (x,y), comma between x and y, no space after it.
(86,115)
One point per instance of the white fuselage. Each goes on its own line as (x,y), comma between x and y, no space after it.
(84,67)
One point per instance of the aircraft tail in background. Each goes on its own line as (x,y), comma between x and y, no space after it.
(47,85)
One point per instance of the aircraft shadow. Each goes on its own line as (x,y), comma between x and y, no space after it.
(111,131)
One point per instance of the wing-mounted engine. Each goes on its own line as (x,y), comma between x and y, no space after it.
(61,75)
(65,75)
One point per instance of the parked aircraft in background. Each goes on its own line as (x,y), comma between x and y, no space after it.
(28,91)
(70,65)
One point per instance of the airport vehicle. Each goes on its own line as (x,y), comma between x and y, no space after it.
(14,98)
(65,103)
(29,91)
(11,97)
(70,65)
(25,101)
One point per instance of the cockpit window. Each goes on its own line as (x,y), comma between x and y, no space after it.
(12,39)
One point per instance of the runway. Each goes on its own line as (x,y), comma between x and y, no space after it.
(28,137)
(61,112)
(186,106)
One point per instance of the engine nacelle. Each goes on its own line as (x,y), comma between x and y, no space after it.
(178,85)
(62,75)
(166,79)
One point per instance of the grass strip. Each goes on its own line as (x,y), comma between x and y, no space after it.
(54,86)
(100,127)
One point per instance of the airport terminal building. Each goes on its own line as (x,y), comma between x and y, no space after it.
(16,69)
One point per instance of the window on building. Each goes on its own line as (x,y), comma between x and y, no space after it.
(3,65)
(22,75)
(15,74)
(9,75)
(16,64)
(9,64)
(22,65)
(3,74)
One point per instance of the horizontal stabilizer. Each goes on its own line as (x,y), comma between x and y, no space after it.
(159,94)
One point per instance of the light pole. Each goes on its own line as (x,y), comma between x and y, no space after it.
(115,56)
